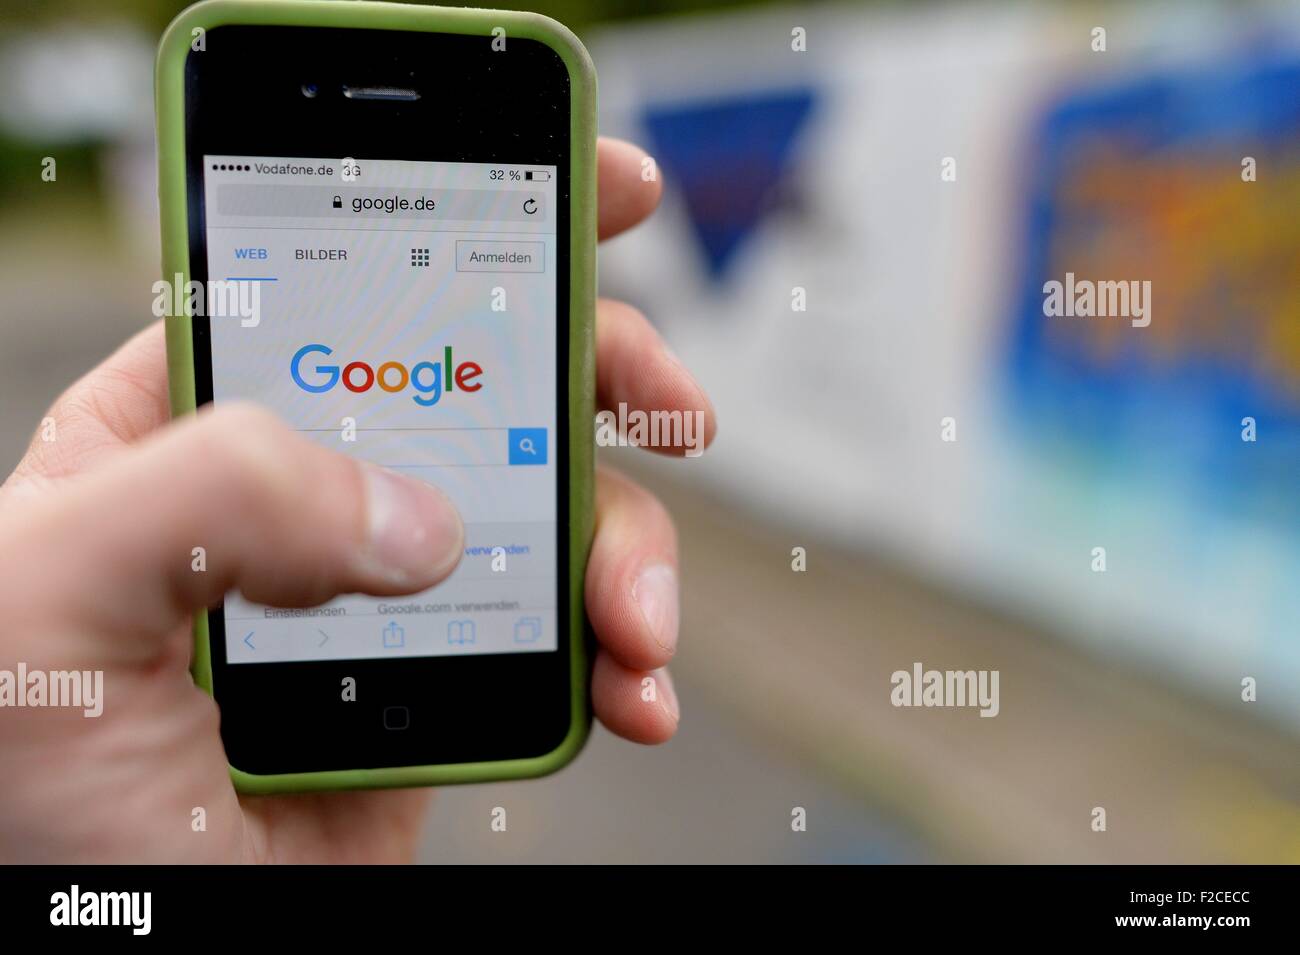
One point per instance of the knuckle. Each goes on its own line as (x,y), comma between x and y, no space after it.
(249,456)
(631,502)
(244,420)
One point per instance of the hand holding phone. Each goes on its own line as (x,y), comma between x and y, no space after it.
(96,531)
(406,277)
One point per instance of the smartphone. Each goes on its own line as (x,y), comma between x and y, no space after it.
(388,215)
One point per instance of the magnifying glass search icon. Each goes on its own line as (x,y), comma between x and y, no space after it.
(527,446)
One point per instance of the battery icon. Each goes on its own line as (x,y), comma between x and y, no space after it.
(537,175)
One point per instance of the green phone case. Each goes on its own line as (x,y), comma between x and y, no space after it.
(170,93)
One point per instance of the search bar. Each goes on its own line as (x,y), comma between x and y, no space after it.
(403,448)
(354,203)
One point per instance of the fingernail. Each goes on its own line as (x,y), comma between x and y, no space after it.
(415,533)
(667,695)
(655,591)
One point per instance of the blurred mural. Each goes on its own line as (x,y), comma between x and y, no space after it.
(923,175)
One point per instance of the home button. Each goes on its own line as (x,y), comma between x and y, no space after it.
(396,718)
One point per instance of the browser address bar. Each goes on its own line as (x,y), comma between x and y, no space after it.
(406,448)
(346,203)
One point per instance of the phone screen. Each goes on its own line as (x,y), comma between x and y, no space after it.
(409,256)
(403,313)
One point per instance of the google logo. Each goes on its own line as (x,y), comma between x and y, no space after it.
(428,378)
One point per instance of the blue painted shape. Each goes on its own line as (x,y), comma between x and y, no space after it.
(728,157)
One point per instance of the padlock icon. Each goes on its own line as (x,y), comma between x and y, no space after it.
(338,202)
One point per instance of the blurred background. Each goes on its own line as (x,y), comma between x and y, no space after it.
(821,169)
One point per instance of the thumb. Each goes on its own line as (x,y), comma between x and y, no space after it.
(279,518)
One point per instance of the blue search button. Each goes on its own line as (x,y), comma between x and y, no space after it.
(527,445)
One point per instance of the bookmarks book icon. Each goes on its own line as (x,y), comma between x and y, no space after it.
(461,632)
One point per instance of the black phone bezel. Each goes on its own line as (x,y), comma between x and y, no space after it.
(244,97)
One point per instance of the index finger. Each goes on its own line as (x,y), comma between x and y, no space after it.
(627,186)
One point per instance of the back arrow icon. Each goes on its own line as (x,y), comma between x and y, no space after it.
(248,640)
